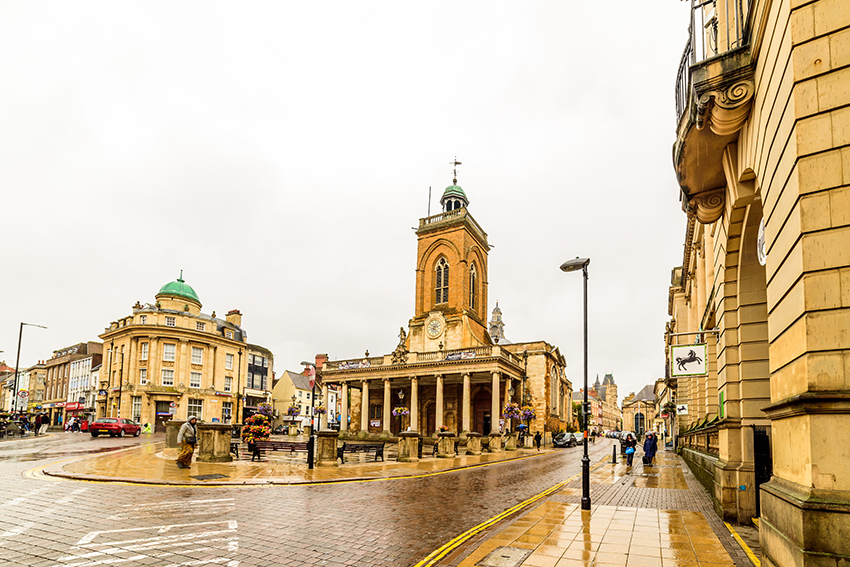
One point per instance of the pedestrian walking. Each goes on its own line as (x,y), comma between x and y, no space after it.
(650,447)
(187,437)
(147,428)
(537,439)
(631,443)
(36,424)
(45,421)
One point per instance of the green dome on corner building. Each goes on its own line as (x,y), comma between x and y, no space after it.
(179,288)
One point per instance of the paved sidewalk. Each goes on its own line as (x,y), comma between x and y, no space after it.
(152,463)
(657,516)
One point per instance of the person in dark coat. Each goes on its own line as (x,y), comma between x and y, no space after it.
(650,447)
(37,424)
(537,439)
(630,442)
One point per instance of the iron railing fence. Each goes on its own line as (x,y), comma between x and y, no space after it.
(716,27)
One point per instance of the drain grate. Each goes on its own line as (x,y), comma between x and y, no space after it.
(505,557)
(209,476)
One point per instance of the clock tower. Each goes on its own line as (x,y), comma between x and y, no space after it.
(451,278)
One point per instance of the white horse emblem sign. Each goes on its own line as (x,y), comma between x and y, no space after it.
(687,360)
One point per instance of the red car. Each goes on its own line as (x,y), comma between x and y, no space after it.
(114,426)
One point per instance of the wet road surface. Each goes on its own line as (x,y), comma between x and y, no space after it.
(46,521)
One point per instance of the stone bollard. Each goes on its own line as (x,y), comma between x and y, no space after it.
(408,446)
(326,448)
(213,443)
(445,445)
(510,442)
(473,443)
(172,427)
(495,443)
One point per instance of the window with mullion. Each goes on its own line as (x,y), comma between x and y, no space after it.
(442,287)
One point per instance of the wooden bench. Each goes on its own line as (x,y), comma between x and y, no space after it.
(284,446)
(347,447)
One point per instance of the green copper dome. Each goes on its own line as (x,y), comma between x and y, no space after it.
(179,288)
(454,191)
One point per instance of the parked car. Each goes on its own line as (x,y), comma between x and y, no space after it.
(564,440)
(114,427)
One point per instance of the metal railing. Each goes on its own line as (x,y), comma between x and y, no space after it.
(716,27)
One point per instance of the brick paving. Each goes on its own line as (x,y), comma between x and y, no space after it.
(624,495)
(54,522)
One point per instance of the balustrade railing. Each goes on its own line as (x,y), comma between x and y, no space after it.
(436,356)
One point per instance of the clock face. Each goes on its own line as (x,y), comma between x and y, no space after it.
(435,327)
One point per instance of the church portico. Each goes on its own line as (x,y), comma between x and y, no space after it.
(445,392)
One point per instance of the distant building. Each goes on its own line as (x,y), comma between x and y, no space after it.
(58,376)
(639,410)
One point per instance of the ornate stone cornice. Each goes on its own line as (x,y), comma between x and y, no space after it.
(708,206)
(726,110)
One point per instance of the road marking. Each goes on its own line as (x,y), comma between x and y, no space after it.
(192,541)
(71,496)
(178,502)
(16,531)
(744,546)
(25,497)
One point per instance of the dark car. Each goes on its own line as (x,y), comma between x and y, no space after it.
(114,426)
(564,440)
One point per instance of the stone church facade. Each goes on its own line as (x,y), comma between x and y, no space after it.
(447,369)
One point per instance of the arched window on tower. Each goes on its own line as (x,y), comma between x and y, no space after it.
(473,282)
(442,287)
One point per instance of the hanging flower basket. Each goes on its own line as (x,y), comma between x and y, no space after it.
(443,429)
(528,413)
(511,411)
(320,410)
(266,409)
(400,411)
(256,428)
(293,411)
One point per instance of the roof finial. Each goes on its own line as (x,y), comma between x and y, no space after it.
(180,279)
(455,163)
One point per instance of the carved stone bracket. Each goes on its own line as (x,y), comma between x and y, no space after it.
(725,111)
(708,206)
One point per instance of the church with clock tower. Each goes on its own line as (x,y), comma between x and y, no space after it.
(447,370)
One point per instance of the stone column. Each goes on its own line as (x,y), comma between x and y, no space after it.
(439,408)
(414,404)
(343,417)
(324,419)
(364,407)
(387,402)
(467,404)
(494,405)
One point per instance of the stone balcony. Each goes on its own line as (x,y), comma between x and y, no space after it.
(714,96)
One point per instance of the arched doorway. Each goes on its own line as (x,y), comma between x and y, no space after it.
(481,408)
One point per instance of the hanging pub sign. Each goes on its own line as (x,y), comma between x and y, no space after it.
(687,360)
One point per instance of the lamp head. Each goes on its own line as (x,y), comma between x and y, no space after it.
(573,265)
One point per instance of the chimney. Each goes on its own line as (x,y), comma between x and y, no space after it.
(234,317)
(320,361)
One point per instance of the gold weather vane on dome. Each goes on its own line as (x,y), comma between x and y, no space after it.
(455,163)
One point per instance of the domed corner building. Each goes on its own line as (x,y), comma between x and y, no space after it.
(170,359)
(450,368)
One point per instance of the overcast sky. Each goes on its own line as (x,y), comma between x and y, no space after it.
(279,154)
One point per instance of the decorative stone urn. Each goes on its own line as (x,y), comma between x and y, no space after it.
(326,448)
(510,442)
(473,443)
(408,446)
(213,443)
(445,445)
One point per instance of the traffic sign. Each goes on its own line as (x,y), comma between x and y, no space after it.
(23,394)
(172,405)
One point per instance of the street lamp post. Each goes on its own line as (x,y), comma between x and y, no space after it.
(572,266)
(311,444)
(17,361)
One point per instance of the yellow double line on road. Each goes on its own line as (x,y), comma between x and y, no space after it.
(441,552)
